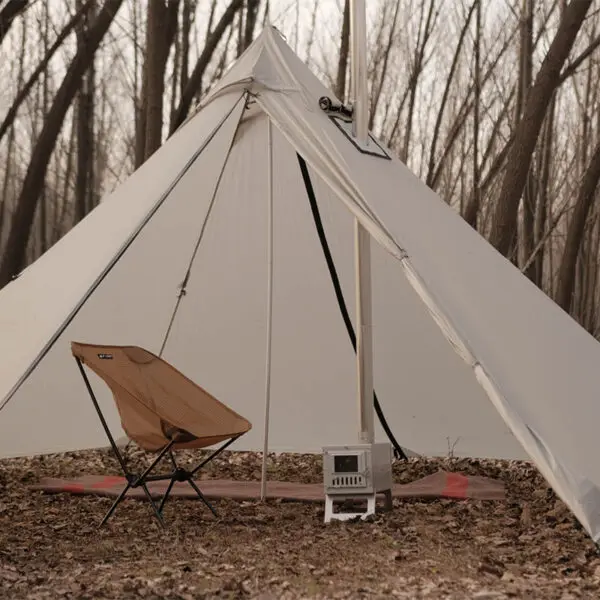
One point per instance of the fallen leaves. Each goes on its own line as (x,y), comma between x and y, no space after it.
(50,547)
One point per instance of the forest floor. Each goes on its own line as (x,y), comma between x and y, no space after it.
(528,546)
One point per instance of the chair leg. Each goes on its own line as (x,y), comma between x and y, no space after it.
(201,496)
(156,512)
(131,482)
(111,510)
(142,478)
(164,498)
(214,454)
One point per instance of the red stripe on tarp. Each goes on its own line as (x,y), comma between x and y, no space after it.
(456,486)
(108,481)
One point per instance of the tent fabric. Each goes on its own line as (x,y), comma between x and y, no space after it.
(450,268)
(517,379)
(155,401)
(81,290)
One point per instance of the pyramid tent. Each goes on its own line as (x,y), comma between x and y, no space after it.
(469,356)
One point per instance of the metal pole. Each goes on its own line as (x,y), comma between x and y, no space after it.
(364,332)
(109,435)
(263,479)
(360,96)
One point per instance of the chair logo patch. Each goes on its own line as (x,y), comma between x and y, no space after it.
(105,356)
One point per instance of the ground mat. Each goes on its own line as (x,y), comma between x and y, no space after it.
(437,485)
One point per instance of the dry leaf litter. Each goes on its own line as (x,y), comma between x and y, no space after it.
(529,546)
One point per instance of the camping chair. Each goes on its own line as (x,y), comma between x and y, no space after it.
(161,410)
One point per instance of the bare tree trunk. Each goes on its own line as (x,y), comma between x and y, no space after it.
(175,73)
(589,313)
(60,223)
(141,102)
(476,109)
(189,7)
(417,68)
(525,56)
(536,271)
(180,79)
(14,257)
(450,78)
(342,70)
(525,78)
(42,212)
(103,143)
(463,113)
(8,13)
(590,317)
(377,89)
(571,69)
(161,29)
(211,19)
(11,138)
(504,220)
(85,125)
(24,91)
(585,200)
(311,32)
(35,120)
(252,7)
(195,79)
(139,92)
(240,33)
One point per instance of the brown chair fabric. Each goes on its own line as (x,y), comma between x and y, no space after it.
(156,402)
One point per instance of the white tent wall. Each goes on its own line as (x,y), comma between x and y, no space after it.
(218,335)
(469,427)
(313,397)
(539,365)
(313,386)
(223,315)
(34,306)
(50,411)
(428,394)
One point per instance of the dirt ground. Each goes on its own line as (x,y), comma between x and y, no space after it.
(526,547)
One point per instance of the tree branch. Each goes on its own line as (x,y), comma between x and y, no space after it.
(9,13)
(195,79)
(570,69)
(24,92)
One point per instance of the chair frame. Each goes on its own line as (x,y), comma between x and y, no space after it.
(135,480)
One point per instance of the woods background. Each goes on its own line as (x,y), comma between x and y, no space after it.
(495,104)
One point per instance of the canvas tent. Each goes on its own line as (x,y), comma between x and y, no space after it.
(469,356)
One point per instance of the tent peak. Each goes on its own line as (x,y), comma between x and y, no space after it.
(269,63)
